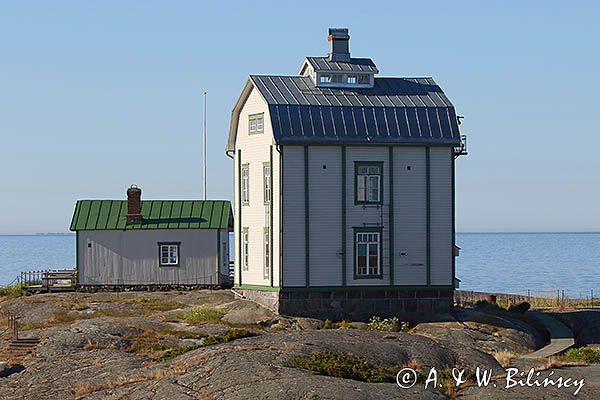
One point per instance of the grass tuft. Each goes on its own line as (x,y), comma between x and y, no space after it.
(13,290)
(225,336)
(203,314)
(346,366)
(588,355)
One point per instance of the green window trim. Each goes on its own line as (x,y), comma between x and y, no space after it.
(357,165)
(267,183)
(245,189)
(368,229)
(245,256)
(167,265)
(256,123)
(266,253)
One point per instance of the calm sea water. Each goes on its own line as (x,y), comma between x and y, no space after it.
(502,262)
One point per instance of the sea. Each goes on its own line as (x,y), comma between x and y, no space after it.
(539,264)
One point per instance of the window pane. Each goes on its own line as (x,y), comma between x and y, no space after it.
(360,188)
(373,170)
(363,79)
(259,124)
(325,78)
(373,188)
(351,79)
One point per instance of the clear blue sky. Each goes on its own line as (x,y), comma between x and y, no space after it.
(95,96)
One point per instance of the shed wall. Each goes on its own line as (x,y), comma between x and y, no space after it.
(130,257)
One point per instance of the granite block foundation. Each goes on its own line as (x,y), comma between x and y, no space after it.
(355,304)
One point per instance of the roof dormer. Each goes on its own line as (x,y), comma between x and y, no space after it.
(338,69)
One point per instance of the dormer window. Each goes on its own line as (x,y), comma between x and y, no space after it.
(364,79)
(351,79)
(325,79)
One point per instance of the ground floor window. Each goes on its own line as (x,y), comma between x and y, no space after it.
(168,254)
(245,248)
(367,249)
(266,253)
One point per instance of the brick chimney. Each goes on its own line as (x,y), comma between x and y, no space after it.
(134,204)
(339,48)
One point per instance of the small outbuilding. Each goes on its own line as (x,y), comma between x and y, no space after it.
(152,242)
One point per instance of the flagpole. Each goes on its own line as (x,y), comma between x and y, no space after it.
(204,148)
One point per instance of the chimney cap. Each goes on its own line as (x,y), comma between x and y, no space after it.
(338,33)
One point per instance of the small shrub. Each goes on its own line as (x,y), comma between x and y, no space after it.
(346,366)
(152,304)
(336,325)
(520,308)
(387,324)
(13,290)
(222,337)
(227,336)
(203,314)
(588,355)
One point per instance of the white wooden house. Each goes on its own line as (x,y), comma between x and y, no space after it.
(344,189)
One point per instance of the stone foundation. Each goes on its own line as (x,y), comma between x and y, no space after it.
(354,303)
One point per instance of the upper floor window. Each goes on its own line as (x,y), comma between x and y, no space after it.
(364,79)
(267,183)
(325,78)
(168,254)
(368,182)
(351,79)
(245,184)
(256,123)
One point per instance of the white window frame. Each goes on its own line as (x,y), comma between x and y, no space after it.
(170,260)
(369,240)
(369,183)
(245,184)
(350,78)
(245,257)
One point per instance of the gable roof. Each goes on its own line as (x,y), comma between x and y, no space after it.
(354,65)
(394,111)
(157,214)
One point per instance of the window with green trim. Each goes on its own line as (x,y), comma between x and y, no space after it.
(245,184)
(266,252)
(367,249)
(245,248)
(369,182)
(256,123)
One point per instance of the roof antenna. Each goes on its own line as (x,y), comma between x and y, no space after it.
(204,148)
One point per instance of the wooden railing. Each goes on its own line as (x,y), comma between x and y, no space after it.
(47,280)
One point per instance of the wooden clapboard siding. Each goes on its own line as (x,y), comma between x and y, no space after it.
(441,215)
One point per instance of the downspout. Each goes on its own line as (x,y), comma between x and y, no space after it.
(279,150)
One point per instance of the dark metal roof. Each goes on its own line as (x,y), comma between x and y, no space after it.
(157,214)
(395,110)
(355,65)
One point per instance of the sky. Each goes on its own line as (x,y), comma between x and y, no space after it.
(96,96)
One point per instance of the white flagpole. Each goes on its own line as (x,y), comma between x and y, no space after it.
(204,147)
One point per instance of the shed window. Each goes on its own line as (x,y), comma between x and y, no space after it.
(256,123)
(245,248)
(245,184)
(168,254)
(267,182)
(368,254)
(369,182)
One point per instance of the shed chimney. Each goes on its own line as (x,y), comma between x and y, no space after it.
(134,204)
(339,49)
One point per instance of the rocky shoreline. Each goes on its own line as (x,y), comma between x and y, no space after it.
(212,345)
